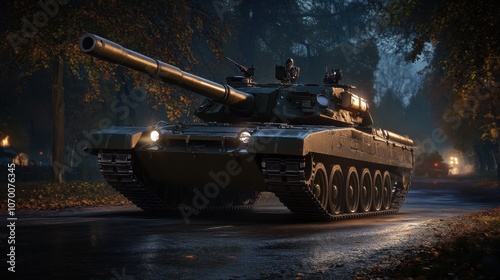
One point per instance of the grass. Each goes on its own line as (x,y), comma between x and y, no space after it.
(43,195)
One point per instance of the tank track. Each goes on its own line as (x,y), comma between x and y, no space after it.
(286,177)
(118,170)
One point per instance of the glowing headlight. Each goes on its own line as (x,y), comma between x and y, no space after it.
(245,137)
(155,135)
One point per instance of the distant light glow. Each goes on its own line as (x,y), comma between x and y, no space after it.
(5,141)
(453,160)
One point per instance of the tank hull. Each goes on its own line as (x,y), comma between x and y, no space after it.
(187,170)
(191,164)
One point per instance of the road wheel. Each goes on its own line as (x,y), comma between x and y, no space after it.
(386,190)
(366,190)
(319,184)
(336,184)
(377,191)
(351,190)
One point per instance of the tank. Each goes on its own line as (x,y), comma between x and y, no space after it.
(311,145)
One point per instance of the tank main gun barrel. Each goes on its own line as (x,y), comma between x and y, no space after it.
(112,52)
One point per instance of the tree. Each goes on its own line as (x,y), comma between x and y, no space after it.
(316,34)
(465,48)
(43,36)
(419,121)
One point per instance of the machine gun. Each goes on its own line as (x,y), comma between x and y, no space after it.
(334,77)
(248,72)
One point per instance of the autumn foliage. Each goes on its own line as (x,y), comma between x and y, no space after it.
(464,247)
(42,37)
(39,196)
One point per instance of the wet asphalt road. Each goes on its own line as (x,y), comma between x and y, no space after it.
(267,243)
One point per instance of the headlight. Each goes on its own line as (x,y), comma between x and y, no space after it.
(155,135)
(245,137)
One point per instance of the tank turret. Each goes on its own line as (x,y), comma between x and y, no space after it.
(331,104)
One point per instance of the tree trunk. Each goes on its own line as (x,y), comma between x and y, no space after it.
(58,132)
(248,36)
(497,158)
